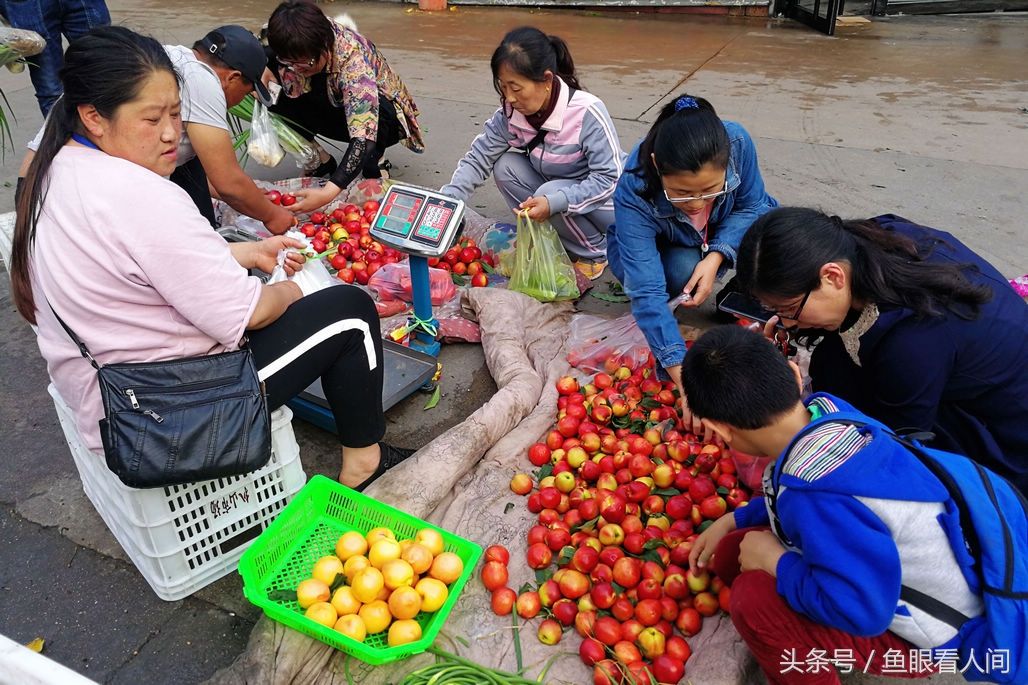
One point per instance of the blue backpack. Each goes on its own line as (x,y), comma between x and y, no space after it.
(994,524)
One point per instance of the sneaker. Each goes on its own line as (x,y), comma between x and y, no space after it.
(591,270)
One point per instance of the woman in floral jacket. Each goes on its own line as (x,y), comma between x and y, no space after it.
(325,67)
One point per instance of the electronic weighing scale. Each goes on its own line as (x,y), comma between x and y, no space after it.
(423,224)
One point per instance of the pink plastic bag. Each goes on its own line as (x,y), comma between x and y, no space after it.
(750,470)
(392,282)
(595,340)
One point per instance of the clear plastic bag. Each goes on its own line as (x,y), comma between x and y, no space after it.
(264,147)
(595,340)
(541,266)
(600,344)
(393,282)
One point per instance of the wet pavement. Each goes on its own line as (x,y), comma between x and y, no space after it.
(921,116)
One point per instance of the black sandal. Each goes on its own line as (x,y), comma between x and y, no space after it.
(391,456)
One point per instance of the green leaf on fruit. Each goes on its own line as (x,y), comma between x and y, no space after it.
(704,526)
(458,279)
(667,492)
(722,491)
(654,544)
(488,269)
(544,472)
(434,399)
(617,586)
(584,525)
(649,403)
(690,460)
(542,575)
(338,582)
(526,587)
(651,555)
(565,555)
(506,509)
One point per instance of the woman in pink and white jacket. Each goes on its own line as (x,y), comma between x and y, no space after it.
(551,146)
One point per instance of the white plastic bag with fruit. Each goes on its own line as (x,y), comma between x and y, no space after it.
(264,146)
(311,278)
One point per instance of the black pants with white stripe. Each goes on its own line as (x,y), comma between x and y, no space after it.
(334,335)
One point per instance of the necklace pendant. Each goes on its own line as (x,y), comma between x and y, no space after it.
(704,247)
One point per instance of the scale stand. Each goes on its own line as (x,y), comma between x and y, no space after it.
(423,224)
(421,339)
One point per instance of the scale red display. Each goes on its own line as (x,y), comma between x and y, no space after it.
(419,219)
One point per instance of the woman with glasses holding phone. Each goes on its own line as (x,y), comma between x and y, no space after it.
(912,327)
(337,84)
(690,191)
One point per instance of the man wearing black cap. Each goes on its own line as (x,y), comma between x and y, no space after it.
(217,73)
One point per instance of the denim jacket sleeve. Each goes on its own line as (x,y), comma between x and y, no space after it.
(751,199)
(477,165)
(637,230)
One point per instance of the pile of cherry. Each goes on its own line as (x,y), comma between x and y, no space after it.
(621,492)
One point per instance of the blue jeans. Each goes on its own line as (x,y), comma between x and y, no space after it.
(51,19)
(679,263)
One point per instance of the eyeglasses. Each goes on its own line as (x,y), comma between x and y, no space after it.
(698,198)
(794,316)
(293,64)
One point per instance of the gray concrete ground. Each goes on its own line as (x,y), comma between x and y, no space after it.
(921,116)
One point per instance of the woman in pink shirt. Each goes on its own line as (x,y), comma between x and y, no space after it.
(146,279)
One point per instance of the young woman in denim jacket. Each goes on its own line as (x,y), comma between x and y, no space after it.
(690,191)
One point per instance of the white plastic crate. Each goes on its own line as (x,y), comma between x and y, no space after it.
(184,537)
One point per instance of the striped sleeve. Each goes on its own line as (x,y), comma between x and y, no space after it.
(824,449)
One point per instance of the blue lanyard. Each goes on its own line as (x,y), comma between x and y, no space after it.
(84,141)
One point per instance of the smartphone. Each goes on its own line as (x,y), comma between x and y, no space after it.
(744,307)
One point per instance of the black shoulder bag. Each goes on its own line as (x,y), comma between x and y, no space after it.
(181,420)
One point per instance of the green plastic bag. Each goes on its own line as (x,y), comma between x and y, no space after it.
(541,266)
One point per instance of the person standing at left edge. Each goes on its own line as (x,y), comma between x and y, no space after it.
(51,19)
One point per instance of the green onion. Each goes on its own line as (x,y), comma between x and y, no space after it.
(451,669)
(288,138)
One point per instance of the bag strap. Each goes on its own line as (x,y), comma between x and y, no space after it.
(534,143)
(541,133)
(75,339)
(926,603)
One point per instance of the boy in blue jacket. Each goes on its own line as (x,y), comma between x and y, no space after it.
(857,518)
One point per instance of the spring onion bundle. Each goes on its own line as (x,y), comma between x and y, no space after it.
(291,141)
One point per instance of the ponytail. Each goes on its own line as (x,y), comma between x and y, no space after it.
(784,250)
(530,53)
(105,68)
(59,127)
(687,135)
(565,63)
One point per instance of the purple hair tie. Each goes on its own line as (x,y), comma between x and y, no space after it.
(686,102)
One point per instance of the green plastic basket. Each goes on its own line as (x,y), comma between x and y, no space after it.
(306,530)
